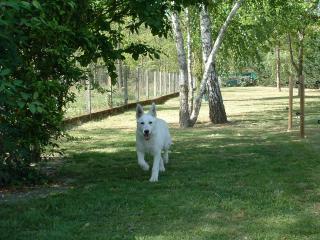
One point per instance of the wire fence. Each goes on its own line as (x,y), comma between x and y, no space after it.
(132,85)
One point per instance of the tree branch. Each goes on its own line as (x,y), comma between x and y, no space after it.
(294,64)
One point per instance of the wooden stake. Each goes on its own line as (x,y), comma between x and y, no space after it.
(290,103)
(302,98)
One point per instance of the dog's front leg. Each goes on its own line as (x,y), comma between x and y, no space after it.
(143,164)
(162,169)
(155,167)
(166,156)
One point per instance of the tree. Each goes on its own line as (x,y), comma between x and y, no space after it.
(211,59)
(278,62)
(44,49)
(184,115)
(217,113)
(307,15)
(295,20)
(185,119)
(189,61)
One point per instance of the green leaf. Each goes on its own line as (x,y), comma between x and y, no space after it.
(36,4)
(25,96)
(4,72)
(21,104)
(32,108)
(35,95)
(40,109)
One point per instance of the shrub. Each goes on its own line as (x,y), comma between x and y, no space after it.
(44,49)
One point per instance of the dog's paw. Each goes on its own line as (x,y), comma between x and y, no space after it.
(154,179)
(144,166)
(162,169)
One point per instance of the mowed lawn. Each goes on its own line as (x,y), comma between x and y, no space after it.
(248,179)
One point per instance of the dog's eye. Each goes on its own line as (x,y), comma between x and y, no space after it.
(142,123)
(150,122)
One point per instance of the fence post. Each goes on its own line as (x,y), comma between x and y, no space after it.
(174,82)
(125,85)
(169,79)
(169,82)
(110,103)
(155,83)
(137,84)
(165,83)
(160,83)
(88,92)
(120,74)
(147,83)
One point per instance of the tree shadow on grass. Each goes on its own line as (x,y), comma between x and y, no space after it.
(221,183)
(215,187)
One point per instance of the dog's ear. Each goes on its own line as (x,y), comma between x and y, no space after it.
(152,110)
(139,111)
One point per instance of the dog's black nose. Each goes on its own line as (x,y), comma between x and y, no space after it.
(146,131)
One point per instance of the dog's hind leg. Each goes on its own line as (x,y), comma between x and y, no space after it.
(143,164)
(155,167)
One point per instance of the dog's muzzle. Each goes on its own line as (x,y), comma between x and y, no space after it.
(146,134)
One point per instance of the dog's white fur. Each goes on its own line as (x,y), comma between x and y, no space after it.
(152,136)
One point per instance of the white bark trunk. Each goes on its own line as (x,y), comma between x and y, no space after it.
(211,60)
(217,113)
(184,115)
(189,61)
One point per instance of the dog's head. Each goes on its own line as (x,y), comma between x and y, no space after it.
(146,121)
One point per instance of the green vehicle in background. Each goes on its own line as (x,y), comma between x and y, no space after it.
(242,79)
(236,80)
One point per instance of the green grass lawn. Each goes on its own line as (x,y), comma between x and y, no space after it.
(249,179)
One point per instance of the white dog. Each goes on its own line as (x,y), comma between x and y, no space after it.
(152,137)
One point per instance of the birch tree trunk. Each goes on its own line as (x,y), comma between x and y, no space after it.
(189,61)
(217,113)
(277,51)
(210,60)
(184,115)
